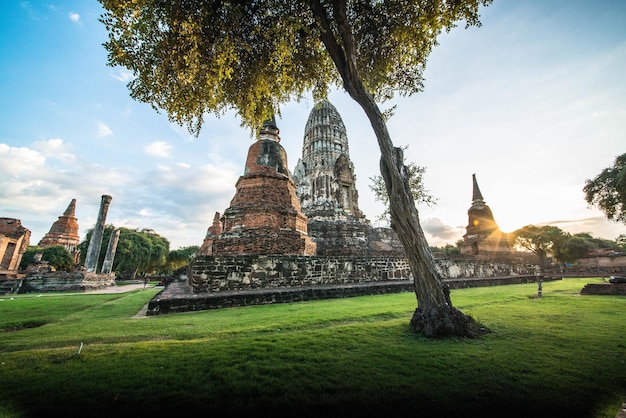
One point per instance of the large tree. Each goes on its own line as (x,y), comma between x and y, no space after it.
(138,251)
(607,190)
(194,57)
(542,240)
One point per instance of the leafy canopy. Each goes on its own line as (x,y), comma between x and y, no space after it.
(195,57)
(607,190)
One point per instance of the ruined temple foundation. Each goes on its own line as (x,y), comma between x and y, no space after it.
(242,280)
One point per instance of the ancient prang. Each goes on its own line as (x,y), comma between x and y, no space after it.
(64,232)
(326,187)
(483,238)
(93,251)
(264,216)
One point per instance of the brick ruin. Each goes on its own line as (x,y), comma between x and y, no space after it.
(39,277)
(64,232)
(483,238)
(14,238)
(264,216)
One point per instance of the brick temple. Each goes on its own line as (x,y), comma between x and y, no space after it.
(64,232)
(483,237)
(264,216)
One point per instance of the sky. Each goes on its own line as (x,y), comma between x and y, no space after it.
(533,103)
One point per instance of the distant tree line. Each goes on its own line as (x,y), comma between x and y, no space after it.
(139,252)
(549,241)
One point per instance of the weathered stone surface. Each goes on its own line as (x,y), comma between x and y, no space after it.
(178,296)
(64,282)
(604,289)
(93,251)
(14,238)
(249,272)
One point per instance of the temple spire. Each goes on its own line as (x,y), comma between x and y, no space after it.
(477,196)
(269,131)
(71,209)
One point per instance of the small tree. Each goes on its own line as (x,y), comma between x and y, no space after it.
(415,176)
(541,240)
(607,190)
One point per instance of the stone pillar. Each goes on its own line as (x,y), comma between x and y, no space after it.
(107,265)
(93,251)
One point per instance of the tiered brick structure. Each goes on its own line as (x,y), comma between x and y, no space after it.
(326,186)
(264,216)
(64,232)
(483,238)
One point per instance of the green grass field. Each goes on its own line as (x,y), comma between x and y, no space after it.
(561,355)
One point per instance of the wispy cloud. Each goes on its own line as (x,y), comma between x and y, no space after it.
(104,130)
(159,149)
(123,75)
(75,17)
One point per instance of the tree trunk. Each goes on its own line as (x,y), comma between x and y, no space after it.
(435,316)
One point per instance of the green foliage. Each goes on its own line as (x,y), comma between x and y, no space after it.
(447,250)
(191,58)
(607,190)
(138,251)
(540,240)
(56,256)
(415,176)
(177,259)
(561,355)
(565,248)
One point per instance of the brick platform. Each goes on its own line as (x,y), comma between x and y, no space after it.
(178,297)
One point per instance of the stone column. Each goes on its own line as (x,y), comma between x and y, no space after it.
(93,252)
(107,265)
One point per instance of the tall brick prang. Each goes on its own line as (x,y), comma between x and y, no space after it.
(264,216)
(64,231)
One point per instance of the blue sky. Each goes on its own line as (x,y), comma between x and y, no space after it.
(533,103)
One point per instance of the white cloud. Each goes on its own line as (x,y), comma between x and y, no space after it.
(159,149)
(75,17)
(123,75)
(104,130)
(56,148)
(22,160)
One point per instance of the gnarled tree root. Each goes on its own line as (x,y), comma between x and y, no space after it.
(445,321)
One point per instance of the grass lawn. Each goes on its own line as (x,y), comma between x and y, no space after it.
(561,355)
